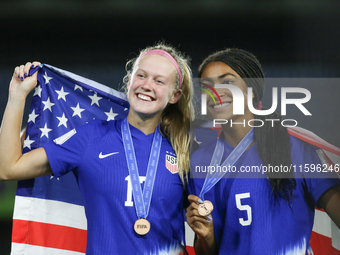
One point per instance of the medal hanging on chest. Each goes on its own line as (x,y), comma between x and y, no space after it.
(142,226)
(211,179)
(142,200)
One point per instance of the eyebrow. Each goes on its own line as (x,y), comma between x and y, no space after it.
(208,79)
(226,74)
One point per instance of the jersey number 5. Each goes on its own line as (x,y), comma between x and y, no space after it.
(241,207)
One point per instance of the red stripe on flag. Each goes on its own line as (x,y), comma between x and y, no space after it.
(49,235)
(190,250)
(320,209)
(313,139)
(322,245)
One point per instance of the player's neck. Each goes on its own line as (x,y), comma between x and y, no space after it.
(145,124)
(234,134)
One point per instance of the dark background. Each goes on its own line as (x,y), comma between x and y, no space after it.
(95,39)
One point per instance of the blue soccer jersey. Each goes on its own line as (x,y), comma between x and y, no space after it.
(247,219)
(95,153)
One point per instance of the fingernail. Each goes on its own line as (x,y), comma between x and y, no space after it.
(208,221)
(200,201)
(21,78)
(32,66)
(25,75)
(209,218)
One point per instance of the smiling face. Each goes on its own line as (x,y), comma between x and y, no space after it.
(220,73)
(151,86)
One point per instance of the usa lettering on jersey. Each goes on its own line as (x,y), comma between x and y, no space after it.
(171,163)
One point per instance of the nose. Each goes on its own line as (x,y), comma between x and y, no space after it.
(221,93)
(147,85)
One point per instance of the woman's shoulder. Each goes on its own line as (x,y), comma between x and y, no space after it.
(300,145)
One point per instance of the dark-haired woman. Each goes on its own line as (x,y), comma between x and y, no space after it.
(252,214)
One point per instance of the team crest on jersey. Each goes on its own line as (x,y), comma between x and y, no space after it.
(171,163)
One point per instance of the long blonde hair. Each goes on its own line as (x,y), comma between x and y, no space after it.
(176,118)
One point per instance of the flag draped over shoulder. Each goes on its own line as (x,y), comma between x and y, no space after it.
(49,216)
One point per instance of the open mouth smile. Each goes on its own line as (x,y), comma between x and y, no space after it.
(144,97)
(220,107)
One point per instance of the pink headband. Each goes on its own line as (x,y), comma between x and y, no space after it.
(168,56)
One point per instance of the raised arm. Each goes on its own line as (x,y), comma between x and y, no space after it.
(14,165)
(204,243)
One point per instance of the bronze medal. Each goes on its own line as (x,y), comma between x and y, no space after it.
(205,208)
(142,226)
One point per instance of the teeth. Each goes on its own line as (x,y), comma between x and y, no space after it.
(144,97)
(220,106)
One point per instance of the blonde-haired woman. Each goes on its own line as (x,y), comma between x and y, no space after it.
(142,149)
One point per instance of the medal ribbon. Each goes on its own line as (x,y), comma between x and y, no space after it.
(142,200)
(212,178)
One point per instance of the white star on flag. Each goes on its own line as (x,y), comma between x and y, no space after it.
(37,91)
(62,120)
(48,104)
(78,87)
(32,116)
(47,79)
(77,110)
(62,94)
(28,142)
(95,99)
(51,107)
(110,115)
(45,130)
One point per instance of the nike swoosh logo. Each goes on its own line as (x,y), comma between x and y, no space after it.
(101,155)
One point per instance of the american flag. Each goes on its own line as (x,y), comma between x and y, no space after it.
(49,216)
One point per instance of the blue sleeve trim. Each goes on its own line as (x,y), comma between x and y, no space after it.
(54,163)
